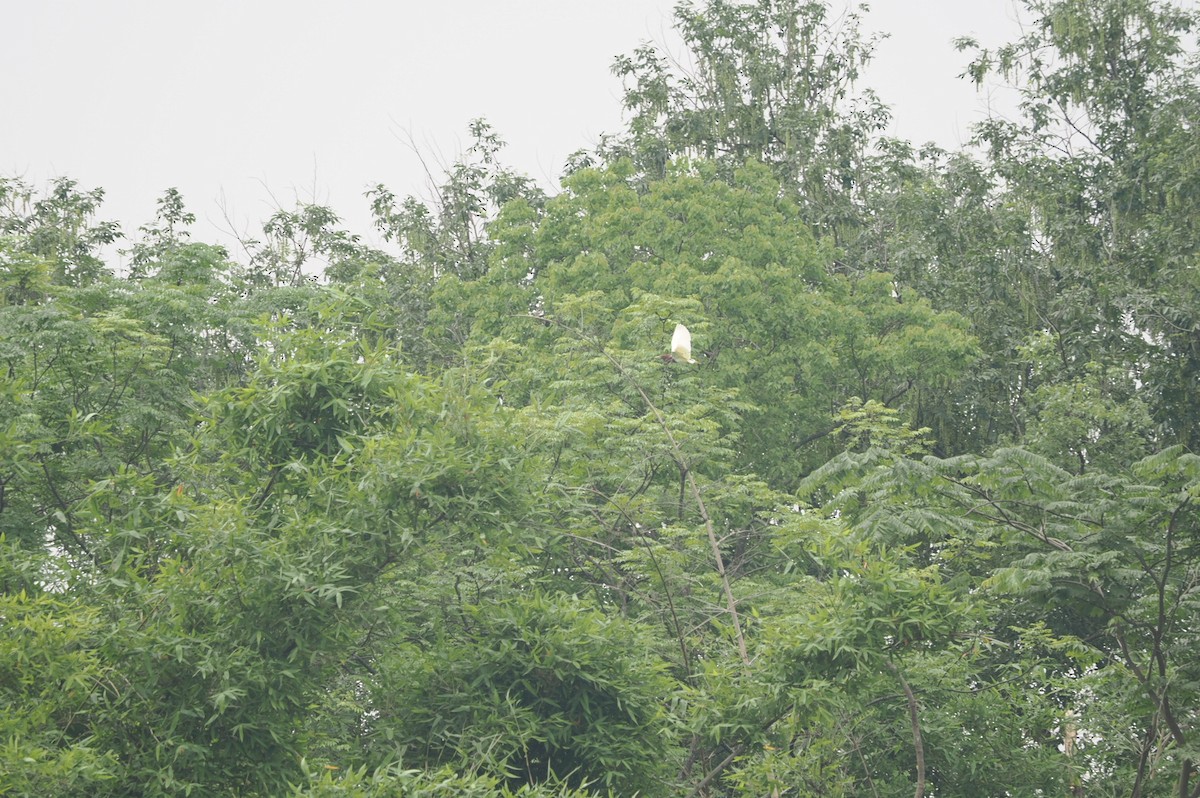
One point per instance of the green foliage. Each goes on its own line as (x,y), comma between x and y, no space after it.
(396,782)
(1099,420)
(449,519)
(58,228)
(767,320)
(163,237)
(1101,159)
(873,424)
(240,611)
(49,674)
(533,689)
(446,235)
(99,381)
(769,81)
(1093,564)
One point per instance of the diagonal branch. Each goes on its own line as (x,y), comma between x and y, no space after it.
(914,717)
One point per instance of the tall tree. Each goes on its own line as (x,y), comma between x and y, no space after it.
(770,80)
(58,227)
(1103,158)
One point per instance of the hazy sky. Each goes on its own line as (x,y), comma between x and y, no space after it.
(246,104)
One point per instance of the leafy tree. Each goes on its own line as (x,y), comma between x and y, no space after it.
(100,379)
(228,598)
(49,667)
(1101,159)
(445,518)
(446,235)
(768,320)
(535,688)
(1089,570)
(770,81)
(58,227)
(162,237)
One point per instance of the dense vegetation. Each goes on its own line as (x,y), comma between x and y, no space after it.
(437,519)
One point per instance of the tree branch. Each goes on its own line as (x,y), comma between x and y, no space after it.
(914,717)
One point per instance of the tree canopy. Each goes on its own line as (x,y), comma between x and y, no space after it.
(442,515)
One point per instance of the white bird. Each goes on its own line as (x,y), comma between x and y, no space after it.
(681,344)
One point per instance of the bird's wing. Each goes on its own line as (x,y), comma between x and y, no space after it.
(681,344)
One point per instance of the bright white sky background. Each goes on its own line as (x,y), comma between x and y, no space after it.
(245,105)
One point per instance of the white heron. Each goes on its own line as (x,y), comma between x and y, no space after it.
(681,345)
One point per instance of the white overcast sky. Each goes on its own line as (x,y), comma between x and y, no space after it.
(246,104)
